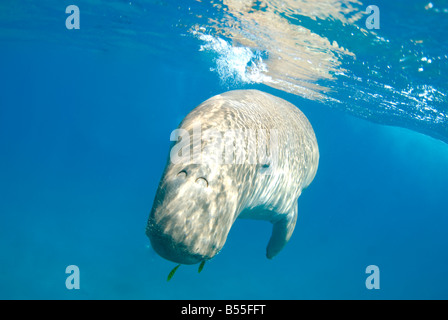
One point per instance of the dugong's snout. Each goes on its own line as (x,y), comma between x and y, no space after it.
(169,248)
(181,239)
(189,222)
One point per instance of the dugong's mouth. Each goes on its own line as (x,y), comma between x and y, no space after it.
(169,248)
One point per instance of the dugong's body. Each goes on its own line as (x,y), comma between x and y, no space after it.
(200,197)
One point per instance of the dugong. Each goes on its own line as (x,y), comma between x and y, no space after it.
(207,187)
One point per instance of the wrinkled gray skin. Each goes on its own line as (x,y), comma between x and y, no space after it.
(196,204)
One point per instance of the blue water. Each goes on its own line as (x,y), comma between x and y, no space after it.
(85,120)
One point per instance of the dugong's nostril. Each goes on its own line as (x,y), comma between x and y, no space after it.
(202,182)
(182,174)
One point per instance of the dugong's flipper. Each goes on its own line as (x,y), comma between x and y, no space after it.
(281,232)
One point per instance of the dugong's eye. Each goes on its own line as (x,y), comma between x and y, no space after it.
(182,174)
(202,181)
